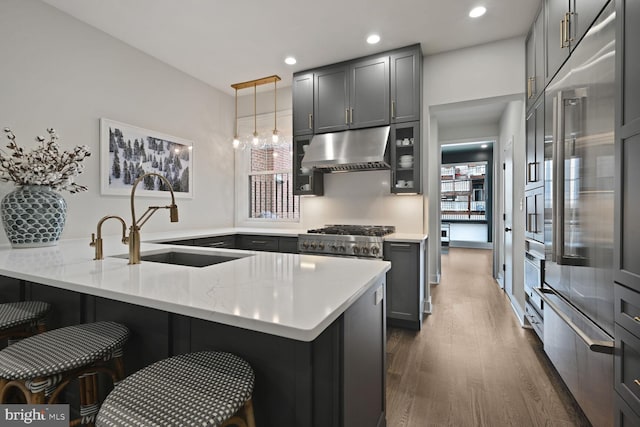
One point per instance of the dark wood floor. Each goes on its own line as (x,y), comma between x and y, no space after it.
(473,364)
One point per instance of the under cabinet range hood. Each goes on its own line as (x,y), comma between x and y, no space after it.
(349,151)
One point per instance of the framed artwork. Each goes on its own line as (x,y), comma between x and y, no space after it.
(128,152)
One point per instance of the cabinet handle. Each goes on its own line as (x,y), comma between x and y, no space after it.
(637,382)
(351,115)
(400,245)
(568,16)
(393,109)
(310,120)
(532,176)
(532,223)
(258,242)
(637,319)
(346,116)
(533,86)
(563,33)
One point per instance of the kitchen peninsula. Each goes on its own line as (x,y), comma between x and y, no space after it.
(312,327)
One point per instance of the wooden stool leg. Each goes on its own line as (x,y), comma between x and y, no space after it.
(248,413)
(88,398)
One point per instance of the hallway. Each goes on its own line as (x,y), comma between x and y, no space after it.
(472,364)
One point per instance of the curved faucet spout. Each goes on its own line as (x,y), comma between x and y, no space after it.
(97,242)
(136,224)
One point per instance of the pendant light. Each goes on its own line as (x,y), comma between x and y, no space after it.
(255,139)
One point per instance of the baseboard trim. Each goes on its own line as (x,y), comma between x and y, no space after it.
(434,279)
(427,306)
(518,312)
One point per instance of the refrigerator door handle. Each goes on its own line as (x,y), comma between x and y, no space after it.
(557,178)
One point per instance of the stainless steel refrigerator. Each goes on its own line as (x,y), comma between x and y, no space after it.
(579,199)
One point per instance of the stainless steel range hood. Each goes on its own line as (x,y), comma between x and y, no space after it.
(349,151)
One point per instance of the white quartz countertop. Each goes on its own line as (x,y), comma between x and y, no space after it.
(293,296)
(405,237)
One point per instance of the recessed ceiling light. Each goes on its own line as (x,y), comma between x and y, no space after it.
(290,60)
(373,39)
(476,12)
(484,146)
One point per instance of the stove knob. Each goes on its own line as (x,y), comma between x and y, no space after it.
(375,250)
(356,250)
(320,246)
(333,248)
(365,251)
(341,248)
(313,245)
(305,245)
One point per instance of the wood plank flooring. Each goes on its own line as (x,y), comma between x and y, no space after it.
(473,364)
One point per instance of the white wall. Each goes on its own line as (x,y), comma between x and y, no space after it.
(58,72)
(492,70)
(512,125)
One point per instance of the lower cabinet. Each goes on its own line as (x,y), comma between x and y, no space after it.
(405,283)
(243,241)
(627,356)
(258,243)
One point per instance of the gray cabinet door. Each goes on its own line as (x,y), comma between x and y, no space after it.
(369,93)
(305,181)
(627,231)
(331,99)
(534,146)
(534,60)
(302,92)
(403,283)
(406,75)
(404,140)
(557,48)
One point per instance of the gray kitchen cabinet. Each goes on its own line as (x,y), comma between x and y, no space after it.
(226,242)
(352,95)
(534,60)
(306,181)
(258,243)
(288,245)
(567,22)
(331,99)
(405,283)
(302,92)
(534,146)
(404,144)
(406,87)
(627,211)
(534,210)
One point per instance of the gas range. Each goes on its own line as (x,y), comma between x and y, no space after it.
(362,241)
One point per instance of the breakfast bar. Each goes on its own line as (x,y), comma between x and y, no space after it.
(312,327)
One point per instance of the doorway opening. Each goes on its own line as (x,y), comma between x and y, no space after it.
(466,195)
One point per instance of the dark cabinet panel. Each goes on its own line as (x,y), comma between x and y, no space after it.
(302,92)
(406,90)
(627,367)
(534,60)
(404,284)
(628,17)
(405,143)
(558,48)
(331,99)
(306,181)
(66,306)
(258,243)
(625,417)
(288,245)
(534,210)
(534,146)
(225,242)
(629,237)
(583,13)
(369,95)
(627,308)
(10,289)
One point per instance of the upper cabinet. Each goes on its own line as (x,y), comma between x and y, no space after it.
(302,89)
(405,144)
(406,91)
(352,95)
(535,60)
(567,21)
(534,146)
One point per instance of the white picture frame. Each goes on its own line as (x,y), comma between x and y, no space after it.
(143,150)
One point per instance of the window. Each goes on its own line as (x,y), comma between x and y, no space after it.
(271,184)
(264,180)
(463,191)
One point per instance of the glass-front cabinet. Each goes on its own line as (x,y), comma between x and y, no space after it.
(306,181)
(404,144)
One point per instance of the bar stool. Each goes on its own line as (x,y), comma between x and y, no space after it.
(195,389)
(22,319)
(38,368)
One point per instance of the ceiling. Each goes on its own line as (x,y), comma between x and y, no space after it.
(226,42)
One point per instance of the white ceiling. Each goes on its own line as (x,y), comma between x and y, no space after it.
(225,42)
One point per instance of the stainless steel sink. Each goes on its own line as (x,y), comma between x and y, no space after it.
(189,259)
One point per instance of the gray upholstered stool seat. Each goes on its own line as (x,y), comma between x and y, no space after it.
(22,319)
(39,367)
(194,389)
